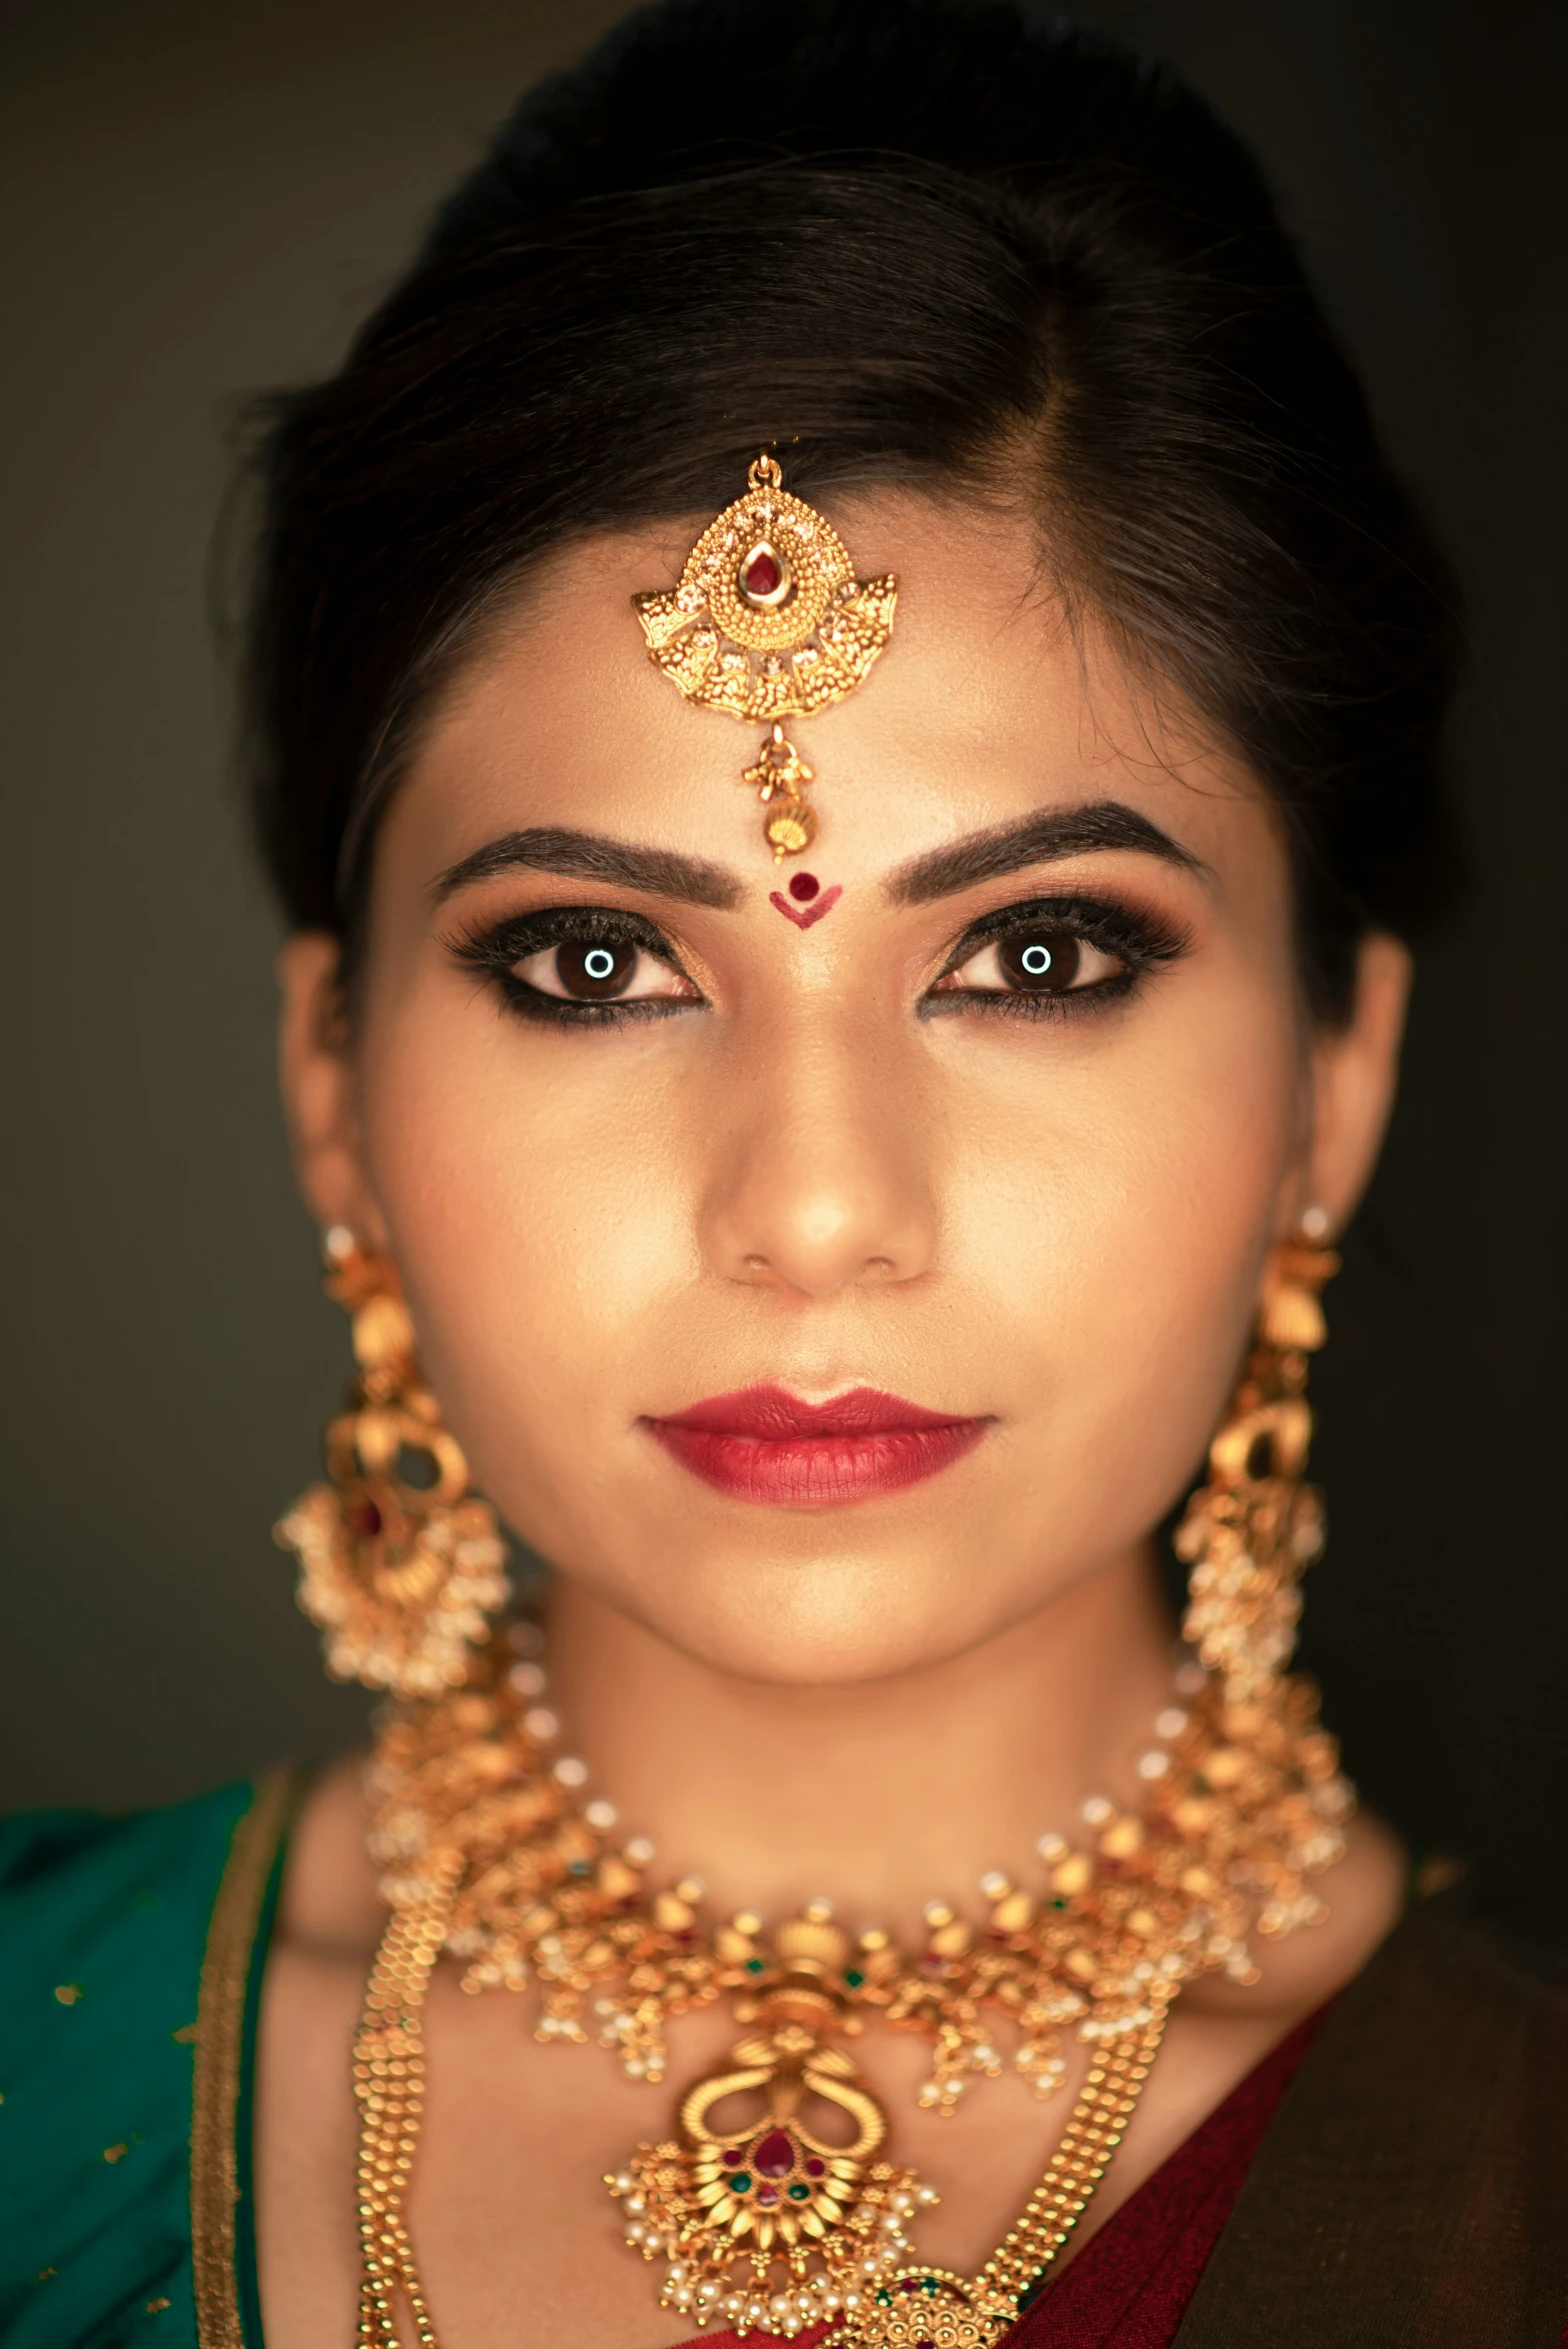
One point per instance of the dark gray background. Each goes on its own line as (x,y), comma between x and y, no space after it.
(198,201)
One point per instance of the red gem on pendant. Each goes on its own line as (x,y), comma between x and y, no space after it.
(763,575)
(775,2156)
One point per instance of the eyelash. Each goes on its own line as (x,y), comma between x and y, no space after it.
(493,953)
(1141,942)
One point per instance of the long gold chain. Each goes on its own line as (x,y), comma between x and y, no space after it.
(893,2307)
(389,2088)
(932,2308)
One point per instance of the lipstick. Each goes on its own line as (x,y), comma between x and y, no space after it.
(764,1444)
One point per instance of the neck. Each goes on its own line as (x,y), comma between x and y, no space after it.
(876,1795)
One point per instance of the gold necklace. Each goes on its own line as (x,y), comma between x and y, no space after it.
(492,1851)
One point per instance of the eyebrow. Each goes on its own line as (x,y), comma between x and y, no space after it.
(1037,840)
(589,856)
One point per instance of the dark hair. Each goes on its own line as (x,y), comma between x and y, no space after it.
(936,242)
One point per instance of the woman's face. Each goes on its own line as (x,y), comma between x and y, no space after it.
(1002,1129)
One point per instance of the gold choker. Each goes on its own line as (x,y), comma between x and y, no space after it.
(492,1853)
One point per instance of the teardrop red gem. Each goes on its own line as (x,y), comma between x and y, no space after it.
(762,575)
(775,2156)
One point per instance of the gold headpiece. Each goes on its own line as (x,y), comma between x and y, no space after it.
(768,622)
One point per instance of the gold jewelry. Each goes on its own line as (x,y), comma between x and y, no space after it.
(399,1563)
(1254,1527)
(491,1849)
(768,621)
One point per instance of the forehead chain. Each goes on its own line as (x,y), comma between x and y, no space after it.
(767,622)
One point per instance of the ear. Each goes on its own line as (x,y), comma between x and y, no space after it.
(1354,1073)
(316,1073)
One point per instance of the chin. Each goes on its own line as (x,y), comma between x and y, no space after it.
(832,1618)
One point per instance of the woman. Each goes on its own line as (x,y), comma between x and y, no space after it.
(824,1219)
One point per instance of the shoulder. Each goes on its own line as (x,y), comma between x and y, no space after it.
(1414,2184)
(70,1867)
(103,1924)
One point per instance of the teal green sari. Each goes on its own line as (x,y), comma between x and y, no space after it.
(130,1975)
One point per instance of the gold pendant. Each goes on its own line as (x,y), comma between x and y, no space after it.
(768,621)
(768,2225)
(925,2308)
(778,773)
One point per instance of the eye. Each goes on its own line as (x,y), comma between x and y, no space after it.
(599,970)
(584,964)
(1040,958)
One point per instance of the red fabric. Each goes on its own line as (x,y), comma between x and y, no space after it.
(1129,2286)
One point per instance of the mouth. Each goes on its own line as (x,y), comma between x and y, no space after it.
(765,1444)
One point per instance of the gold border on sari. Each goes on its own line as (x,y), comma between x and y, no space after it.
(220,2029)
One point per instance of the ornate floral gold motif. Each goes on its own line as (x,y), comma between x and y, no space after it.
(766,622)
(492,1850)
(400,1563)
(740,2201)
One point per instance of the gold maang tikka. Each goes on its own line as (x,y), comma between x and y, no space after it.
(768,621)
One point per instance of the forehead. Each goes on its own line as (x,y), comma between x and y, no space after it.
(992,699)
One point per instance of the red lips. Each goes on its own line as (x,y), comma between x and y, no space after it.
(765,1444)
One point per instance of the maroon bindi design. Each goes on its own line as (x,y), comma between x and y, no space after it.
(805,887)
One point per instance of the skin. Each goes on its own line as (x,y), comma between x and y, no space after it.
(1057,1223)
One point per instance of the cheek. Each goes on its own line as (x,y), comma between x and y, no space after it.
(536,1201)
(1112,1230)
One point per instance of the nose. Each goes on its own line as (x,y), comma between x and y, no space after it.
(822,1178)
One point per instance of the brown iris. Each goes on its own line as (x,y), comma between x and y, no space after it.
(1039,962)
(596,971)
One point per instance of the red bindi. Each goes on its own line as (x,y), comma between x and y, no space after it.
(805,886)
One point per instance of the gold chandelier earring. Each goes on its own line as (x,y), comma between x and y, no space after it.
(1248,1534)
(400,1563)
